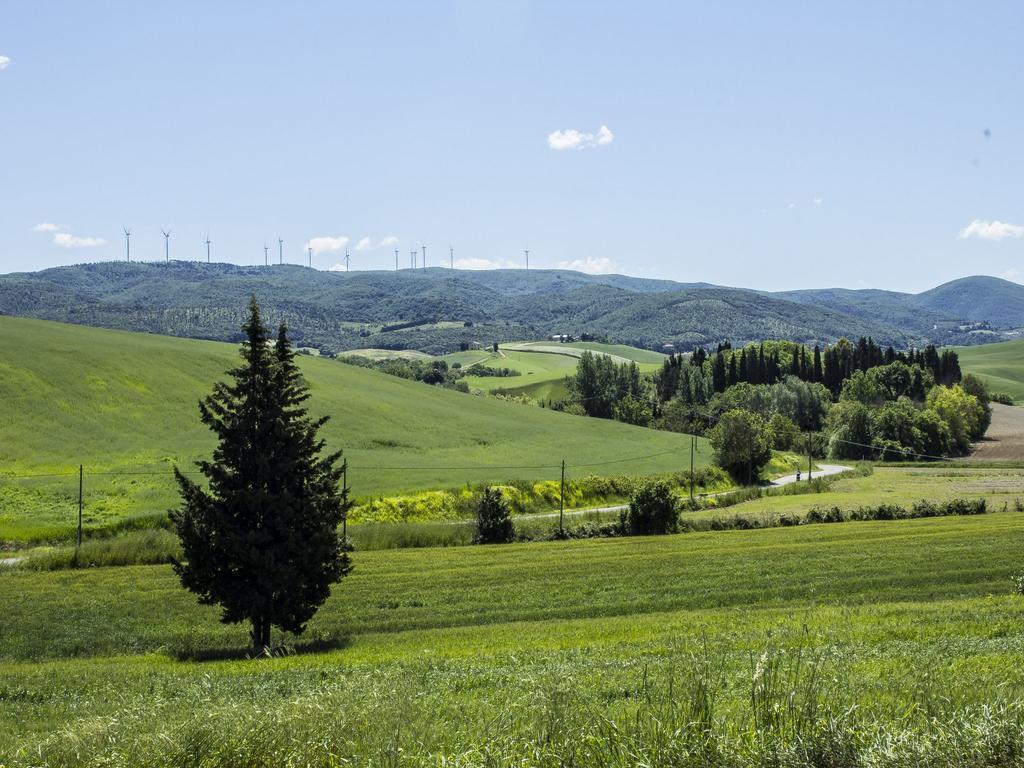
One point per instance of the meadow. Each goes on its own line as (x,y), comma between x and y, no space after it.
(1000,366)
(875,643)
(124,405)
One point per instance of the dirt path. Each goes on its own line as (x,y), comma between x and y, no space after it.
(1005,438)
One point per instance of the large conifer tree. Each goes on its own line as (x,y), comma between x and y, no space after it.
(262,540)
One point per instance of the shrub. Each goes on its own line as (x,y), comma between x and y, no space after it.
(653,509)
(493,519)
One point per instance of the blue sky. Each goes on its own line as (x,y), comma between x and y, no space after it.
(769,145)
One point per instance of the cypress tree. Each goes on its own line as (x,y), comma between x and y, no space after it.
(262,540)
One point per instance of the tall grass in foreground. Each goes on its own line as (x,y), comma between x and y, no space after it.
(789,709)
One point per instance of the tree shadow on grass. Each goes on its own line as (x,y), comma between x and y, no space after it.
(191,653)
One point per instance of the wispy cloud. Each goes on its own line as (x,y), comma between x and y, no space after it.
(67,240)
(487,264)
(573,139)
(4,61)
(592,265)
(389,240)
(48,227)
(818,200)
(327,244)
(339,267)
(364,244)
(991,230)
(1012,274)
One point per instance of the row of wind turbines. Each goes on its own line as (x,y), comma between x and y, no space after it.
(414,255)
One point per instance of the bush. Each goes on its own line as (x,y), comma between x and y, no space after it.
(493,519)
(653,509)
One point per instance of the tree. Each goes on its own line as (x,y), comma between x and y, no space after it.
(262,540)
(493,519)
(743,444)
(652,509)
(961,411)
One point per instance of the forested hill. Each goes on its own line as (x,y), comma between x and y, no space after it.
(438,309)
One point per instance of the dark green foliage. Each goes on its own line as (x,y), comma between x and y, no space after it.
(493,519)
(653,509)
(743,444)
(606,389)
(261,541)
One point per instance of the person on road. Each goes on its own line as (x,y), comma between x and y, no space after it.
(798,475)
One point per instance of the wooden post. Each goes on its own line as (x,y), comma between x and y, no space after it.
(80,473)
(808,457)
(561,504)
(344,497)
(693,441)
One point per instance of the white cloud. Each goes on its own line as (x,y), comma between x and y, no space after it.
(1012,274)
(592,265)
(991,230)
(818,200)
(791,206)
(337,268)
(67,240)
(4,61)
(389,240)
(573,139)
(364,244)
(47,227)
(327,244)
(487,264)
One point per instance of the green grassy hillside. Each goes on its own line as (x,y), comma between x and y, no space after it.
(1000,365)
(125,404)
(893,638)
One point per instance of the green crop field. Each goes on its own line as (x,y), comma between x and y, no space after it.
(543,366)
(1000,366)
(125,404)
(890,642)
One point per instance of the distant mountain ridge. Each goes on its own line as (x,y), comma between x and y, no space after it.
(442,309)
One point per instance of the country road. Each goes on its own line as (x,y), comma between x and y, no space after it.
(823,470)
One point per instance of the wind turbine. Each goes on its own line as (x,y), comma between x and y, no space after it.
(346,258)
(451,256)
(412,259)
(280,251)
(167,244)
(424,257)
(207,247)
(527,252)
(266,257)
(127,243)
(396,259)
(310,256)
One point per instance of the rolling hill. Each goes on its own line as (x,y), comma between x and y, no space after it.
(438,310)
(1000,366)
(124,405)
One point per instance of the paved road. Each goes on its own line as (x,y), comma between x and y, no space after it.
(823,470)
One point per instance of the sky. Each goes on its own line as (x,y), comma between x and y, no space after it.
(766,145)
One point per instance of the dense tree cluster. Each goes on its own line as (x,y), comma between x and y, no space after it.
(853,399)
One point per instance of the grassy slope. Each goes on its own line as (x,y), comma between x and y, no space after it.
(440,643)
(1000,365)
(125,402)
(543,370)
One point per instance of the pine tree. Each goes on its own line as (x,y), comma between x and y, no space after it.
(262,540)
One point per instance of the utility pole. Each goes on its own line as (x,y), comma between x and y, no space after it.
(561,505)
(80,482)
(693,442)
(808,457)
(344,496)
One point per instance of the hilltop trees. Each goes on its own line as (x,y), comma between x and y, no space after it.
(261,540)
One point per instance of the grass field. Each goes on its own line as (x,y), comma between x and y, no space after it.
(883,641)
(543,366)
(1000,366)
(125,404)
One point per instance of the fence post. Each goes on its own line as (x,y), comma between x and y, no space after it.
(344,497)
(693,441)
